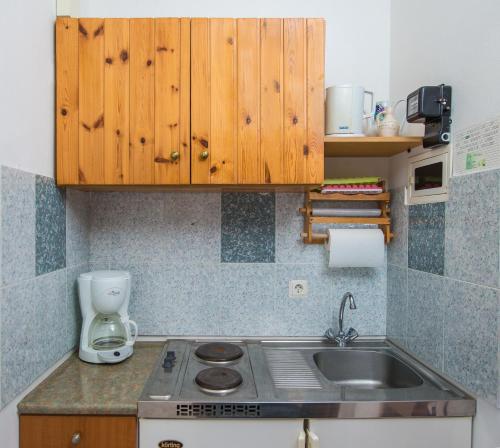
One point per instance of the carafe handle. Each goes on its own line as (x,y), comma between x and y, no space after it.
(136,332)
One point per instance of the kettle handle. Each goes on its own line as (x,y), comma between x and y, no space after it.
(136,332)
(369,114)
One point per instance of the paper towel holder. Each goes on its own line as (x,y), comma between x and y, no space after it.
(383,221)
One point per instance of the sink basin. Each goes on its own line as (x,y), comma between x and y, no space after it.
(365,369)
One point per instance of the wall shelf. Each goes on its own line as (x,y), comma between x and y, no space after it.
(368,146)
(383,221)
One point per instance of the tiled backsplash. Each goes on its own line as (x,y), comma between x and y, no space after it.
(44,247)
(220,263)
(201,263)
(443,282)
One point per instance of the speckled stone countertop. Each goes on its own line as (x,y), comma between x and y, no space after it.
(80,388)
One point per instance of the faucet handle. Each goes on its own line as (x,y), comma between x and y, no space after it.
(351,334)
(330,334)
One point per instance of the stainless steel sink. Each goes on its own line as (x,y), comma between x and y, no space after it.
(365,369)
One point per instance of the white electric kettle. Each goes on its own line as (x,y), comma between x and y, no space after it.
(345,109)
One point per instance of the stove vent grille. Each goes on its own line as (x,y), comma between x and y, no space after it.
(218,410)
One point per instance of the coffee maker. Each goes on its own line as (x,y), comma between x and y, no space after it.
(106,335)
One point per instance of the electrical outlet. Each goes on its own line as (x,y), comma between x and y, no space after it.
(297,289)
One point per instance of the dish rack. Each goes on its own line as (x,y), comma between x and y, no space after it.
(383,221)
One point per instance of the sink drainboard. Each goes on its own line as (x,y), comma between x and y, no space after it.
(289,370)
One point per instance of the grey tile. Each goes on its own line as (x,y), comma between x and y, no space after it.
(50,226)
(397,250)
(192,227)
(472,229)
(18,225)
(77,227)
(309,316)
(369,287)
(33,334)
(174,299)
(248,228)
(289,225)
(498,352)
(426,231)
(127,227)
(246,300)
(397,303)
(425,317)
(194,302)
(148,306)
(74,315)
(470,339)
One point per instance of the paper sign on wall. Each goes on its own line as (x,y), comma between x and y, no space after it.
(477,148)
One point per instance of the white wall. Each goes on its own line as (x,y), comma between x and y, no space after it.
(357,32)
(453,42)
(27,85)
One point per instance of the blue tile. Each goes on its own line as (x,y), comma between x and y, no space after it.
(50,226)
(18,226)
(397,250)
(472,229)
(397,303)
(33,335)
(248,228)
(425,317)
(470,337)
(77,227)
(426,231)
(192,227)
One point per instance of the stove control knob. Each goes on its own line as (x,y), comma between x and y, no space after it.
(169,361)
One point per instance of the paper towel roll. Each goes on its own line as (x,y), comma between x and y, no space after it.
(355,248)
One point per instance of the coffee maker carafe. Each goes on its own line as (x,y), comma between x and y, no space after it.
(106,335)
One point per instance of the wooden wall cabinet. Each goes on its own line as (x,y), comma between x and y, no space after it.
(189,101)
(58,431)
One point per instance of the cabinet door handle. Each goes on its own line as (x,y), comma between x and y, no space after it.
(174,155)
(76,438)
(203,155)
(312,439)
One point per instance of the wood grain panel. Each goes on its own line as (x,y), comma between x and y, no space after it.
(142,101)
(314,154)
(116,101)
(67,100)
(91,101)
(271,99)
(200,100)
(185,103)
(295,100)
(167,100)
(54,431)
(249,158)
(223,103)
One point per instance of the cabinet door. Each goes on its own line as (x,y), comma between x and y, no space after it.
(392,433)
(77,431)
(223,433)
(257,101)
(123,94)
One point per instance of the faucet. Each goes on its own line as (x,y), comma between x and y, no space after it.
(342,338)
